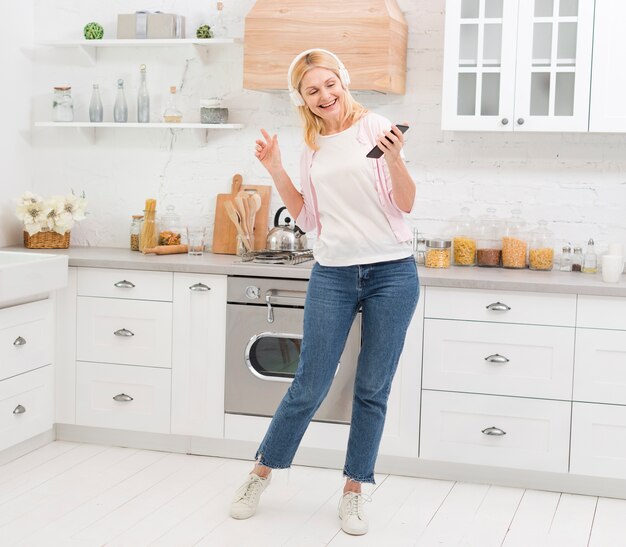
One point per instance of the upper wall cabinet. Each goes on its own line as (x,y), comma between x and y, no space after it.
(608,107)
(514,65)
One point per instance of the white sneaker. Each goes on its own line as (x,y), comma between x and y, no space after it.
(247,497)
(353,519)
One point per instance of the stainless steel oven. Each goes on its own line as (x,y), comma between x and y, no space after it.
(264,333)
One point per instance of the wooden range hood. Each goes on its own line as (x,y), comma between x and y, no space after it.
(369,36)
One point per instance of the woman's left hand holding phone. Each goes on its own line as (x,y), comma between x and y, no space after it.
(391,150)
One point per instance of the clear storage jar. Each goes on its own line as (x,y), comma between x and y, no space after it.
(135,232)
(488,232)
(438,253)
(514,244)
(170,229)
(62,104)
(541,248)
(463,240)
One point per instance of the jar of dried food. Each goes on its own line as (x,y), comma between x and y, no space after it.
(135,232)
(514,244)
(149,236)
(463,240)
(438,253)
(577,260)
(541,248)
(62,104)
(169,227)
(488,233)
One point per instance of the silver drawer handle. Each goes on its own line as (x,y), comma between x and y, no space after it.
(19,409)
(496,358)
(123,332)
(124,284)
(19,341)
(494,431)
(199,287)
(123,398)
(498,306)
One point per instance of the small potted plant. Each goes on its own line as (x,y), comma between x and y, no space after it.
(47,222)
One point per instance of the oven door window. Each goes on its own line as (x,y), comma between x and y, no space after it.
(274,356)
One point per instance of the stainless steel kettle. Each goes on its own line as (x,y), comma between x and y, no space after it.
(284,237)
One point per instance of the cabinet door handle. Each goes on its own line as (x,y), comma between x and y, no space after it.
(498,306)
(19,409)
(19,341)
(496,358)
(504,121)
(199,287)
(520,121)
(123,332)
(124,284)
(123,398)
(493,430)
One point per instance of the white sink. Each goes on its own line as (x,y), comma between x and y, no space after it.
(24,275)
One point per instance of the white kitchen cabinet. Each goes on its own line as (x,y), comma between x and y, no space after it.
(131,284)
(514,65)
(198,355)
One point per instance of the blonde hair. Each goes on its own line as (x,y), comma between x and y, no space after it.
(313,124)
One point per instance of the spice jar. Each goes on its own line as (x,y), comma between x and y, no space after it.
(565,263)
(577,260)
(541,245)
(590,259)
(62,104)
(169,227)
(463,240)
(437,253)
(514,244)
(135,231)
(488,233)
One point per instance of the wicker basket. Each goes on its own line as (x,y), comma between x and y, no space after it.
(47,240)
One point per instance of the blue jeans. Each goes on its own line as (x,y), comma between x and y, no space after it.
(387,293)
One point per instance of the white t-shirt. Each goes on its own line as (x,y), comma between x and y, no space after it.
(355,229)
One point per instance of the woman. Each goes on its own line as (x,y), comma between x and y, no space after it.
(364,261)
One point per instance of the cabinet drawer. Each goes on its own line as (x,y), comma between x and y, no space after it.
(598,440)
(133,284)
(26,406)
(125,332)
(600,371)
(123,397)
(522,360)
(501,306)
(25,338)
(455,426)
(602,312)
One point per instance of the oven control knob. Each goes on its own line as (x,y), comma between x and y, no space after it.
(252,292)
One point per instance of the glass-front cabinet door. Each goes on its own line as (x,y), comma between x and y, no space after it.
(553,74)
(479,65)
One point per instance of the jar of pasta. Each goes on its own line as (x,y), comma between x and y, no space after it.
(438,253)
(169,227)
(488,233)
(541,248)
(514,244)
(463,240)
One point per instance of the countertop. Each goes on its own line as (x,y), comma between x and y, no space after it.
(471,278)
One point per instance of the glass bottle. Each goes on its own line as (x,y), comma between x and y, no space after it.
(514,245)
(135,231)
(120,110)
(62,104)
(565,264)
(577,260)
(590,260)
(149,236)
(463,240)
(488,233)
(169,227)
(541,245)
(96,112)
(171,113)
(143,98)
(219,30)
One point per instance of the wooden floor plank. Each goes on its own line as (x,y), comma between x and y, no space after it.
(609,524)
(34,459)
(533,519)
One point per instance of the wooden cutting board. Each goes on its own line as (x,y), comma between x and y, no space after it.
(224,231)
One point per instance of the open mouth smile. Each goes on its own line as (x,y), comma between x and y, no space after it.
(328,105)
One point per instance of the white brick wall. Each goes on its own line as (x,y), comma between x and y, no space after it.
(575,181)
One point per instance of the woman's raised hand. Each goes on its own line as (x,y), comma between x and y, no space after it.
(268,152)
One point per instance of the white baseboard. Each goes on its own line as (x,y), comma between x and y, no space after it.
(19,450)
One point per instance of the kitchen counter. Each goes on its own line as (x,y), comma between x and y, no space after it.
(471,278)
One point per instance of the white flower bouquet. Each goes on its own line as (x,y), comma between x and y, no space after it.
(47,222)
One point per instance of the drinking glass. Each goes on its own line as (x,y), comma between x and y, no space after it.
(195,240)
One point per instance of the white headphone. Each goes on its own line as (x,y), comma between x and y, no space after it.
(296,98)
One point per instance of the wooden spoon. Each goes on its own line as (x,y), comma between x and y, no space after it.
(233,215)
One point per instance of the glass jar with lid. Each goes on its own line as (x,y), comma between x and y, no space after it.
(135,232)
(514,244)
(488,233)
(541,248)
(169,227)
(437,253)
(463,240)
(62,104)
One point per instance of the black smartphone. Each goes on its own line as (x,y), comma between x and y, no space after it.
(377,152)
